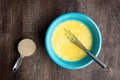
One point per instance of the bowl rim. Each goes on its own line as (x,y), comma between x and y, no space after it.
(78,14)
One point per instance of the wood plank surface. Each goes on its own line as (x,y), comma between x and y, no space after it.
(30,19)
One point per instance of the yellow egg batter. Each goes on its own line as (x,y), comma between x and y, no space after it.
(64,48)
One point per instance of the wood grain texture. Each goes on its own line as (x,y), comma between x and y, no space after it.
(30,19)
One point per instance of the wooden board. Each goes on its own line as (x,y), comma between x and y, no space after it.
(30,19)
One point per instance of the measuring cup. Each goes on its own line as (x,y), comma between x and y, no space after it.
(26,47)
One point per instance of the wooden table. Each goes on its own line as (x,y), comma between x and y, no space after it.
(30,19)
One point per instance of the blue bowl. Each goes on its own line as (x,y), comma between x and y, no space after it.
(96,47)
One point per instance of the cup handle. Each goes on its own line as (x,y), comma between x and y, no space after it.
(18,63)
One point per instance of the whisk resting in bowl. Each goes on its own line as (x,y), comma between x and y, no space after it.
(73,39)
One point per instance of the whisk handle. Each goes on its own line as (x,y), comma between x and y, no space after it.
(96,59)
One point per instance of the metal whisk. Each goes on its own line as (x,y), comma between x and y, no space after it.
(72,38)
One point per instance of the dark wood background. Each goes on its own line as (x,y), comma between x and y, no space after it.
(30,19)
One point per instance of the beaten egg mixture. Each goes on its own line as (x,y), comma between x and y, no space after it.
(63,47)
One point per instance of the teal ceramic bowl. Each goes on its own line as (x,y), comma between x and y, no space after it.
(96,35)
